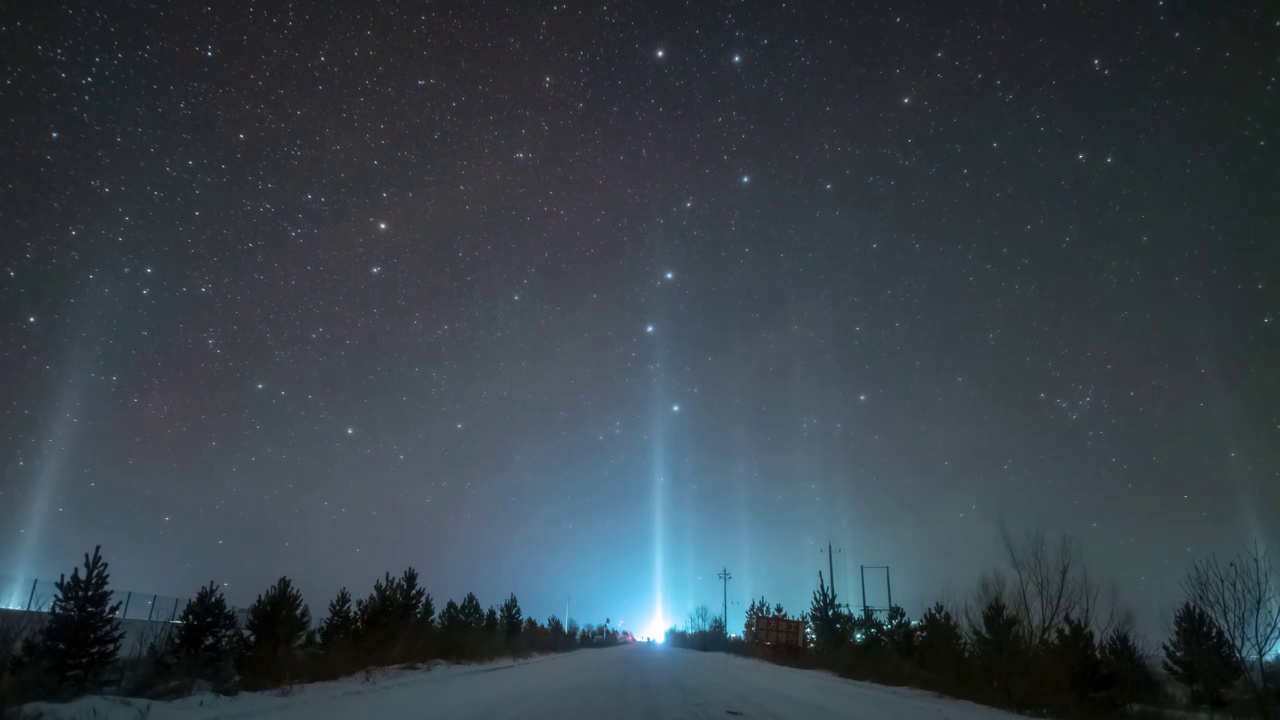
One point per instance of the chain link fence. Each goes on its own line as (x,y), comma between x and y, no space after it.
(36,595)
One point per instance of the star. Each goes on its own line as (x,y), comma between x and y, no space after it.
(669,275)
(351,431)
(382,226)
(737,58)
(647,328)
(675,408)
(661,52)
(376,269)
(746,179)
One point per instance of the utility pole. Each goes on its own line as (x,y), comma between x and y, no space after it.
(725,576)
(831,566)
(566,613)
(862,572)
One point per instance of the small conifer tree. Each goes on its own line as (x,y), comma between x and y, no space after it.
(82,637)
(1200,657)
(277,624)
(206,635)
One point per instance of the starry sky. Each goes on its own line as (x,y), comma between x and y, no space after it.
(590,301)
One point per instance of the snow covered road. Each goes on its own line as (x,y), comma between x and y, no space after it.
(630,682)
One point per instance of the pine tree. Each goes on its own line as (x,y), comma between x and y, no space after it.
(1076,657)
(412,597)
(82,637)
(998,649)
(394,621)
(940,646)
(829,621)
(427,613)
(340,626)
(899,633)
(451,618)
(1122,659)
(555,628)
(1200,657)
(867,630)
(277,623)
(511,616)
(491,621)
(471,613)
(206,635)
(758,610)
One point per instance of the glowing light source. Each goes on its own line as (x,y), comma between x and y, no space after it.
(656,630)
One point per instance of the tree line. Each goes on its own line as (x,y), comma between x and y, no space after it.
(76,649)
(1041,636)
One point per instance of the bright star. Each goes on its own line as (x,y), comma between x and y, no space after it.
(661,53)
(862,397)
(670,275)
(376,270)
(648,329)
(737,58)
(351,431)
(746,179)
(675,408)
(382,226)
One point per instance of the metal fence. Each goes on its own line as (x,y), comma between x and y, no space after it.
(35,595)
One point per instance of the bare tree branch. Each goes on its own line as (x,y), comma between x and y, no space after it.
(1243,598)
(1050,585)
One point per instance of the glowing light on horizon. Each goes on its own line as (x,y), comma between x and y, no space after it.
(656,630)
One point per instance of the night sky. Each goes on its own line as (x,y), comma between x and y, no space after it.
(593,300)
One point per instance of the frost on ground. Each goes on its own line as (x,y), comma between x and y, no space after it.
(628,682)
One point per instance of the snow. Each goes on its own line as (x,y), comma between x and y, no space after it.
(628,682)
